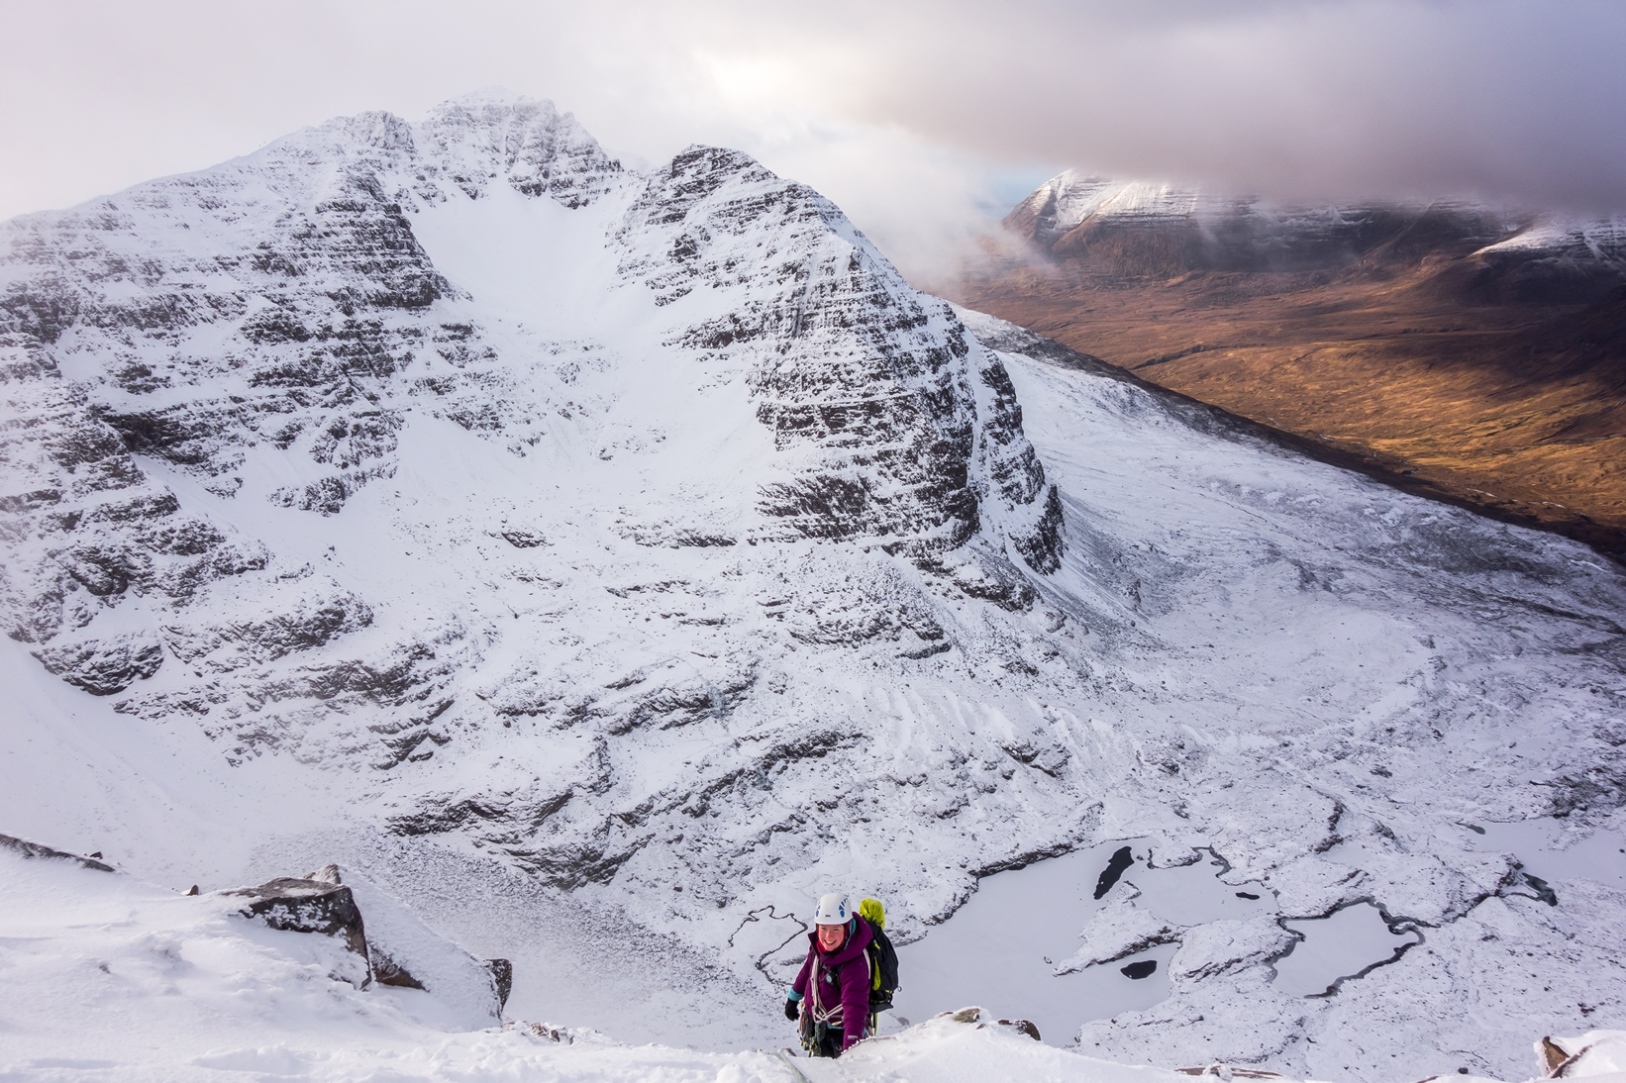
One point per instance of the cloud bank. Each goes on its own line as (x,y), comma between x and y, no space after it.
(923,119)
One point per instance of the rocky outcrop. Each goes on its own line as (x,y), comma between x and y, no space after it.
(35,850)
(392,947)
(299,905)
(502,977)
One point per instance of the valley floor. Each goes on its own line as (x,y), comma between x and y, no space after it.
(1515,409)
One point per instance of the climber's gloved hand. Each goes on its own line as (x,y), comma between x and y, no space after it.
(793,1010)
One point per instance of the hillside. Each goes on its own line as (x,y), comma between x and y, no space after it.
(1458,350)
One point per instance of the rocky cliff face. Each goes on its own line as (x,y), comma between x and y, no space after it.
(203,369)
(902,428)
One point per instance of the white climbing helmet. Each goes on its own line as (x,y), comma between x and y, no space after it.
(834,909)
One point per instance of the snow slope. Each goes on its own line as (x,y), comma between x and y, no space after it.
(110,978)
(607,564)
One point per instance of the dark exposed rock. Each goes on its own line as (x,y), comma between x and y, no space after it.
(308,906)
(1047,758)
(275,326)
(1600,786)
(502,977)
(698,540)
(684,702)
(1543,890)
(309,623)
(561,1035)
(437,816)
(523,539)
(1042,547)
(104,667)
(386,971)
(541,831)
(326,496)
(1022,1026)
(573,865)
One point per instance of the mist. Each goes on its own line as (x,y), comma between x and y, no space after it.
(924,121)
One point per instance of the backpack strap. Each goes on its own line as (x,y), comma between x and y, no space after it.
(831,1014)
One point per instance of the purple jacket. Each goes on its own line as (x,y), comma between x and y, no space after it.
(840,997)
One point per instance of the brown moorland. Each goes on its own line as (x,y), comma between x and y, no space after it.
(1494,379)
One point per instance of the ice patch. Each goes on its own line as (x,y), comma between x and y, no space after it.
(1341,945)
(1014,947)
(1548,850)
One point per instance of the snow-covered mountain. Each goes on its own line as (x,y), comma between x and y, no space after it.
(1130,228)
(608,561)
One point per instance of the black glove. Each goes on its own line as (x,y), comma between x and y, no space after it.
(793,1009)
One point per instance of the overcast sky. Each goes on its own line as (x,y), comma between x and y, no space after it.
(921,119)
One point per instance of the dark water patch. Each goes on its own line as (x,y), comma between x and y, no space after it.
(1120,861)
(1143,968)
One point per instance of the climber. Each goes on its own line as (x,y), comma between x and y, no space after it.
(831,996)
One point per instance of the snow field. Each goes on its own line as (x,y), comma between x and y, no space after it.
(106,978)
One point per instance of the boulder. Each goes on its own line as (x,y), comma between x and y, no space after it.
(309,906)
(394,947)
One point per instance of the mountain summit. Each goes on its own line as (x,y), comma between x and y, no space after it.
(266,332)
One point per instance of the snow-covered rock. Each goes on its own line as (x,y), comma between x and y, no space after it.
(1118,930)
(104,972)
(1222,947)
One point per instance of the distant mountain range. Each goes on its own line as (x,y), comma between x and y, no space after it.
(1134,229)
(1467,351)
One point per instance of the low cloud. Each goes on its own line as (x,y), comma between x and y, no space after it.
(924,120)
